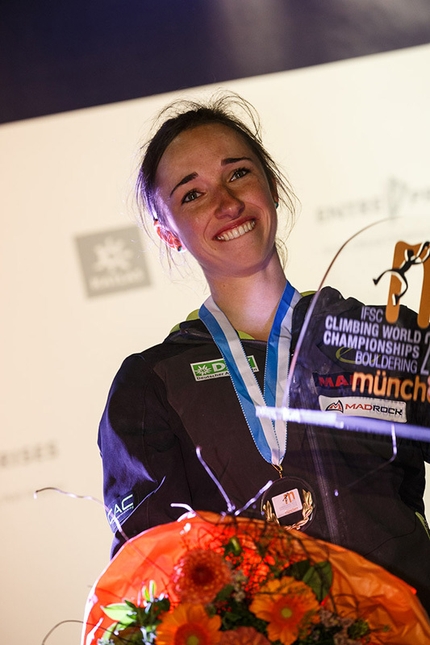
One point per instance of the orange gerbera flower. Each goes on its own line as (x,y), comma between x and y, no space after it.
(243,636)
(188,625)
(199,575)
(288,605)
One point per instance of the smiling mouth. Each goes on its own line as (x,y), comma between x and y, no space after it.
(238,231)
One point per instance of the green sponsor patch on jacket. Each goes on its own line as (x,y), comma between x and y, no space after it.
(216,368)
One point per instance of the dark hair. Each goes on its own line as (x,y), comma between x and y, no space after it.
(184,115)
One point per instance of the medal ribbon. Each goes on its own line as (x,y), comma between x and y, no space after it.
(269,437)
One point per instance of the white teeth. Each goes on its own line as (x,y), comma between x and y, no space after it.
(233,233)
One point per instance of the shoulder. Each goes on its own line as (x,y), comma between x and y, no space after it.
(317,304)
(184,337)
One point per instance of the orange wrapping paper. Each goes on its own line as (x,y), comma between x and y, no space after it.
(359,586)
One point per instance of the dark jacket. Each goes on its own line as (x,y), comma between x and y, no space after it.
(171,398)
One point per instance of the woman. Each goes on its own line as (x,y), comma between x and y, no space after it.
(212,189)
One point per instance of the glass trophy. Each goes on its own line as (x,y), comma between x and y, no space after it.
(362,358)
(358,388)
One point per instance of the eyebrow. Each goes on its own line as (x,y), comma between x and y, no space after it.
(185,180)
(193,175)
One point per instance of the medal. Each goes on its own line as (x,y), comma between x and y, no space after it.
(289,501)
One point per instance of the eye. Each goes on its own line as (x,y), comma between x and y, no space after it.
(190,196)
(239,172)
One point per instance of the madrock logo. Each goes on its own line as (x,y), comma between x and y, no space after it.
(112,261)
(216,368)
(365,407)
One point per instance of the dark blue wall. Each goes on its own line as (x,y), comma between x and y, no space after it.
(59,55)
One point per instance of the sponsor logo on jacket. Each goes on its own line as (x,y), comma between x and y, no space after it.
(365,407)
(116,512)
(333,381)
(216,368)
(382,384)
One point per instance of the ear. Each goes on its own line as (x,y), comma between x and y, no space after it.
(167,236)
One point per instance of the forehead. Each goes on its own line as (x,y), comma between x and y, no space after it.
(203,142)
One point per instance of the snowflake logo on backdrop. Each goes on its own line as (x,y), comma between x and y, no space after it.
(112,261)
(112,255)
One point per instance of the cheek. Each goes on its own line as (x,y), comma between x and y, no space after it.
(191,225)
(190,235)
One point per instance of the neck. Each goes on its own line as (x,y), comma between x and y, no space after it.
(250,302)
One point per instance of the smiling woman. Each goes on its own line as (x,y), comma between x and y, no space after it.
(229,194)
(209,186)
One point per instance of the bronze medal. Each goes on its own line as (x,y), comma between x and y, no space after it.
(290,502)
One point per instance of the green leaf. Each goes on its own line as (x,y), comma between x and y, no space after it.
(106,638)
(319,578)
(225,593)
(132,606)
(120,612)
(298,570)
(233,546)
(358,629)
(149,591)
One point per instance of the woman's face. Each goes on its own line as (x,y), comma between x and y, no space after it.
(217,202)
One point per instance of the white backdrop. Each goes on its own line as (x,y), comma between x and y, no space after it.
(354,139)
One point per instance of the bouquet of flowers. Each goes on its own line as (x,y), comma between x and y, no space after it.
(211,580)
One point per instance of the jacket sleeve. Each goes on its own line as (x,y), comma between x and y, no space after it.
(149,460)
(143,464)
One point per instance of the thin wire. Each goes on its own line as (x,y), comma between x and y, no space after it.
(313,305)
(187,507)
(118,525)
(63,622)
(230,506)
(87,497)
(375,470)
(254,499)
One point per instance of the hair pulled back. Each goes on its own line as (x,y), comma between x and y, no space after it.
(226,108)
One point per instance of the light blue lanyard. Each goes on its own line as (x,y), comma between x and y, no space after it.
(269,437)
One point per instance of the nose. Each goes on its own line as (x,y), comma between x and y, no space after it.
(228,204)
